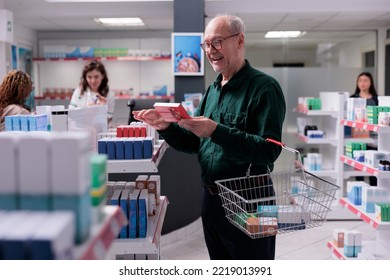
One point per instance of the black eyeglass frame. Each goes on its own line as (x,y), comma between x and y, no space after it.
(207,46)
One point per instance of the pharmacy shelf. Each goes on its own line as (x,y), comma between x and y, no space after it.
(367,217)
(107,58)
(330,146)
(367,126)
(332,113)
(366,140)
(337,251)
(324,173)
(380,247)
(368,252)
(365,168)
(308,140)
(102,235)
(150,245)
(139,165)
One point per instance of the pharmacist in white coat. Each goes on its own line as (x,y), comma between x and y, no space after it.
(93,89)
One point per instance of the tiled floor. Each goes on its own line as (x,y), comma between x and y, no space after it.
(311,244)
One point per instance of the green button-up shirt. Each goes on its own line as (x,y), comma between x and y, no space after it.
(249,108)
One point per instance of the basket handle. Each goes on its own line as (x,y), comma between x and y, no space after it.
(281,144)
(295,152)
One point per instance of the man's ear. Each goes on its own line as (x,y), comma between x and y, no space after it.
(241,39)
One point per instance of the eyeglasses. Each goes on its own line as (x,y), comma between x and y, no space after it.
(216,44)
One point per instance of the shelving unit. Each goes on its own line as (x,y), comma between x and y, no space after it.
(381,247)
(331,145)
(139,165)
(150,245)
(338,253)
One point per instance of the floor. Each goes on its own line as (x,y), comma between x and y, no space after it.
(311,244)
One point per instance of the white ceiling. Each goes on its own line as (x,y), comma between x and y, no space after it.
(325,21)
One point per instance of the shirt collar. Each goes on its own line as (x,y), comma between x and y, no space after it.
(236,80)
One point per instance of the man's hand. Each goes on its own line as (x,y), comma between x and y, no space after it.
(200,126)
(152,118)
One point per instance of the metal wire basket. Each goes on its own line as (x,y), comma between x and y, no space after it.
(277,202)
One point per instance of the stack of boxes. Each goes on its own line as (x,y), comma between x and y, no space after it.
(134,141)
(26,123)
(47,171)
(21,238)
(47,177)
(138,200)
(373,113)
(350,240)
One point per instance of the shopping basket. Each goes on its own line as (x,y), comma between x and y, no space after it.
(277,202)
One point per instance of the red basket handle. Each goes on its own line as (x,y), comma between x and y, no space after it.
(275,142)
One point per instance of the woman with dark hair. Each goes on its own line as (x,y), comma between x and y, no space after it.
(14,91)
(93,89)
(365,89)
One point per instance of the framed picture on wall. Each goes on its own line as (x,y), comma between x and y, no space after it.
(187,55)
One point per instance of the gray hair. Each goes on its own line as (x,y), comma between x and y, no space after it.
(234,23)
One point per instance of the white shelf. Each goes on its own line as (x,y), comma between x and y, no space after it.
(369,250)
(365,168)
(367,126)
(361,140)
(330,147)
(380,248)
(308,140)
(324,173)
(139,165)
(148,245)
(332,113)
(369,218)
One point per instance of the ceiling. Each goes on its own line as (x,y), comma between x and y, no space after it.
(328,21)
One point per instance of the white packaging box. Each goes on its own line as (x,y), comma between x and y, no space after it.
(8,163)
(8,220)
(6,26)
(154,186)
(352,104)
(119,185)
(349,238)
(54,239)
(59,120)
(71,174)
(358,238)
(330,100)
(16,242)
(372,157)
(34,163)
(130,186)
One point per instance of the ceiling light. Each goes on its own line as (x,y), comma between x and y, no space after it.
(134,21)
(285,34)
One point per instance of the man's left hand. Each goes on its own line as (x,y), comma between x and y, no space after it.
(200,126)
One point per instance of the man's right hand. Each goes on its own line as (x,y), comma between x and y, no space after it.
(152,118)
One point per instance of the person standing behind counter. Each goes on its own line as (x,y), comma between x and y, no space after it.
(237,113)
(14,91)
(93,89)
(365,88)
